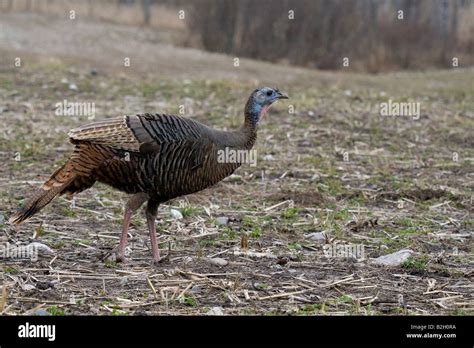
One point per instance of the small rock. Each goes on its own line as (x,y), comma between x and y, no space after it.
(348,92)
(217,261)
(187,259)
(196,289)
(41,312)
(215,311)
(64,80)
(221,221)
(27,287)
(176,214)
(73,86)
(394,259)
(319,237)
(235,177)
(124,281)
(93,72)
(268,158)
(42,248)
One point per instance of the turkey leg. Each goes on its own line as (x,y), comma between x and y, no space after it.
(151,211)
(132,205)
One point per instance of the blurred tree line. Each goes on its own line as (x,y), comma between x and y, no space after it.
(368,35)
(373,34)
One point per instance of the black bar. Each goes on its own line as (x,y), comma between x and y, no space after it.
(252,330)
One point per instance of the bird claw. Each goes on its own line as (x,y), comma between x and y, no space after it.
(113,255)
(158,260)
(119,257)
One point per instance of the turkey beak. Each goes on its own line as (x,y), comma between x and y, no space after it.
(282,96)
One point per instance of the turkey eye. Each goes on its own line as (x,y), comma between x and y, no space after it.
(269,93)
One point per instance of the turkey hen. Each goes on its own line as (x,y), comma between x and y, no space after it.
(153,157)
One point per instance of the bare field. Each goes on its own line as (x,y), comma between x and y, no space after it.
(334,165)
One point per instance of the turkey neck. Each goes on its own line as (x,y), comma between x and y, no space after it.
(243,138)
(247,134)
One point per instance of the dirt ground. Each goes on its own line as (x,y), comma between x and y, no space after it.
(327,162)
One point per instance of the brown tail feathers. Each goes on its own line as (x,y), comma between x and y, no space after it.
(74,176)
(56,184)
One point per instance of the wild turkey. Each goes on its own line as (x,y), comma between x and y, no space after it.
(154,157)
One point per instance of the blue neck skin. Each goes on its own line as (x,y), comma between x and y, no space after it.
(254,112)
